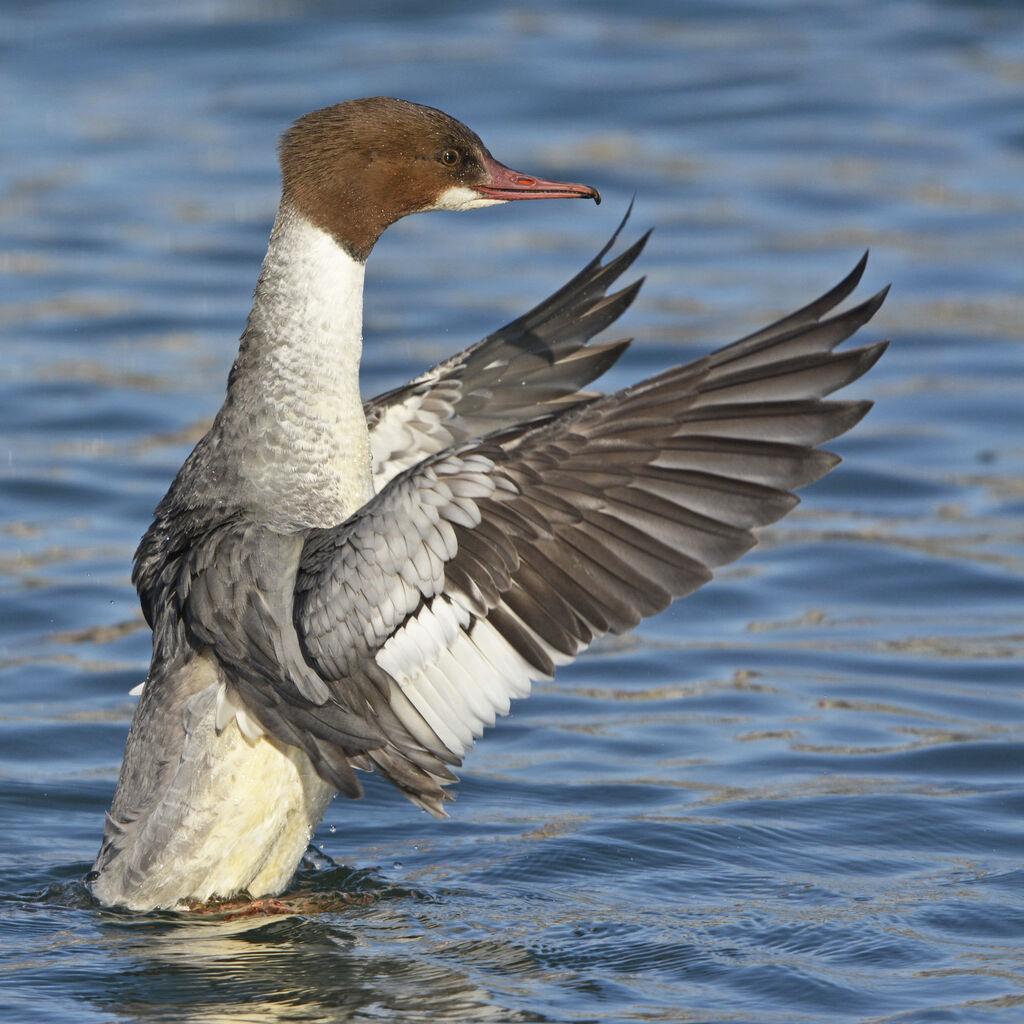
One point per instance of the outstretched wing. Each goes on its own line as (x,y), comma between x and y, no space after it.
(537,364)
(491,562)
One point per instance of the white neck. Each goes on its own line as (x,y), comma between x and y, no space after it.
(293,415)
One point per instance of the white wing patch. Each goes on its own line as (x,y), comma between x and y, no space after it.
(409,431)
(457,670)
(412,657)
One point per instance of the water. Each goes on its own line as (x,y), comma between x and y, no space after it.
(793,797)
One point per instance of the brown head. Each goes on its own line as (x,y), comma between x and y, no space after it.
(354,168)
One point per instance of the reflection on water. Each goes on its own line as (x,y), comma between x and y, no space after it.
(284,969)
(295,963)
(795,796)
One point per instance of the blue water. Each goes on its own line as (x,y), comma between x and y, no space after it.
(795,796)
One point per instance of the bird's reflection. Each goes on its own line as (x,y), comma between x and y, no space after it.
(334,966)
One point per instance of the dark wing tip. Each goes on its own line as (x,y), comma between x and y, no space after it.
(881,295)
(872,353)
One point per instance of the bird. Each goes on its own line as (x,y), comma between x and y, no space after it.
(337,586)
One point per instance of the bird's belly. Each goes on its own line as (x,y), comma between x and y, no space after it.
(265,800)
(237,817)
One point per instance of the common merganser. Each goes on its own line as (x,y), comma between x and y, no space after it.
(335,585)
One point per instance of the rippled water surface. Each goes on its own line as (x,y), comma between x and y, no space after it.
(795,796)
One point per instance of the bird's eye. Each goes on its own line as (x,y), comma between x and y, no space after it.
(450,157)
